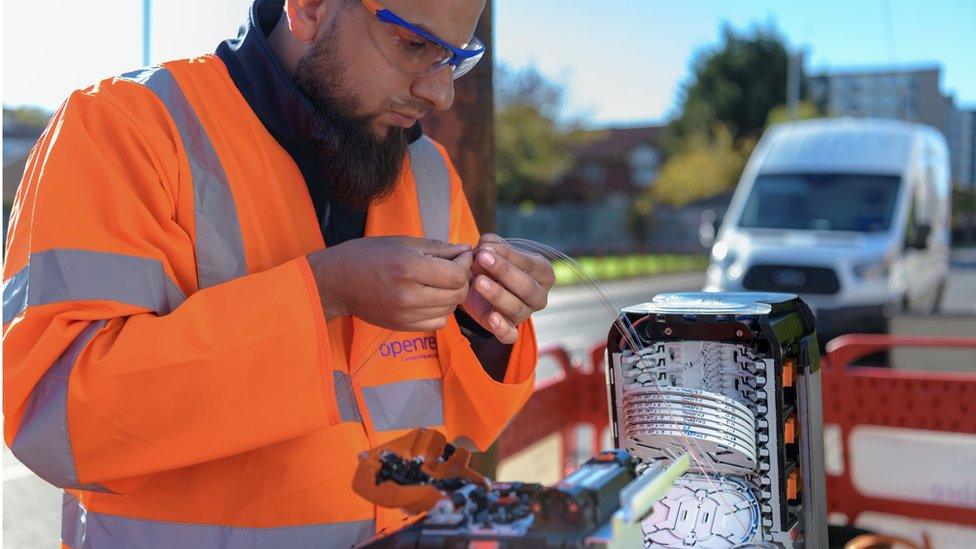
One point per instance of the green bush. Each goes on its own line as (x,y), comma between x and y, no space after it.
(628,266)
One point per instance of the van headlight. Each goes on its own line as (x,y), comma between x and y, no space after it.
(722,255)
(872,270)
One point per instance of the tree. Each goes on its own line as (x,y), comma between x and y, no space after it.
(29,117)
(963,216)
(532,143)
(736,90)
(640,218)
(804,111)
(707,164)
(735,84)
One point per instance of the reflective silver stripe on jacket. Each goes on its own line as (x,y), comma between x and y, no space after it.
(43,442)
(15,294)
(219,244)
(81,528)
(345,397)
(433,185)
(405,404)
(81,275)
(415,403)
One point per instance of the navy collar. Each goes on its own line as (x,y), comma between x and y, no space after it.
(260,78)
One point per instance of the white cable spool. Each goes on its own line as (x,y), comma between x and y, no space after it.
(703,513)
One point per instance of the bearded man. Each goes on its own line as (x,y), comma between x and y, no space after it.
(229,275)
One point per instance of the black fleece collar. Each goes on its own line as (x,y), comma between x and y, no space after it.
(259,76)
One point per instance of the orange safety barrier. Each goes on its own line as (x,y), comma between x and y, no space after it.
(560,404)
(855,396)
(852,396)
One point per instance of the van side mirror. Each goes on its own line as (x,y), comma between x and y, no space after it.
(919,240)
(706,234)
(707,229)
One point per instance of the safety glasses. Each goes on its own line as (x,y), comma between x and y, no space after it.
(417,51)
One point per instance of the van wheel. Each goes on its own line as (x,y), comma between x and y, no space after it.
(937,299)
(880,358)
(906,304)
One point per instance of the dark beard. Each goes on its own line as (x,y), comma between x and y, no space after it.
(360,166)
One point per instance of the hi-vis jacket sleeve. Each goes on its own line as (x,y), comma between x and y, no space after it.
(110,372)
(476,407)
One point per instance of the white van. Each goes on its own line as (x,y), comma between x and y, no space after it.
(851,214)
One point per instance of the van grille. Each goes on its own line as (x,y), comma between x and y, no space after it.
(792,278)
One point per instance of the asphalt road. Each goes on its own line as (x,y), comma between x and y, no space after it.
(575,318)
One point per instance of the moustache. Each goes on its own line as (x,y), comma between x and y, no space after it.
(412,107)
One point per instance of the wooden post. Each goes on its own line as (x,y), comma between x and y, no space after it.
(467,130)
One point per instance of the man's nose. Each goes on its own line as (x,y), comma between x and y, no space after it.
(437,88)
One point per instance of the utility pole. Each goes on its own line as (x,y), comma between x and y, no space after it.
(467,130)
(794,73)
(146,24)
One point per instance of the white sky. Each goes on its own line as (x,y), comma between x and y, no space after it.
(620,60)
(82,42)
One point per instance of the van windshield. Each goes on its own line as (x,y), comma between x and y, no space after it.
(821,202)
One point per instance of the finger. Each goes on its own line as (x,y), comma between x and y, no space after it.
(503,330)
(538,267)
(437,248)
(439,273)
(420,296)
(464,260)
(501,300)
(514,279)
(491,238)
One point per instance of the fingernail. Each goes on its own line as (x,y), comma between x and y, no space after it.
(484,283)
(486,259)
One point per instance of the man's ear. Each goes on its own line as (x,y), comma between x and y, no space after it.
(306,17)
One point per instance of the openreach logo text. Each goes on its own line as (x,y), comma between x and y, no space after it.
(411,349)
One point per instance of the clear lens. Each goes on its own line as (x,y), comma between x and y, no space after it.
(417,52)
(406,49)
(463,67)
(417,55)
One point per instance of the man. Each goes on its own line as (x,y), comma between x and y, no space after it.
(217,291)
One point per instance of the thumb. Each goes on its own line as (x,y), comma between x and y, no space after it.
(441,249)
(464,259)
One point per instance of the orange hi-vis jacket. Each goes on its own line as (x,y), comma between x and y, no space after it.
(166,357)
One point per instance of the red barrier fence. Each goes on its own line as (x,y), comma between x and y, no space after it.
(576,396)
(933,402)
(855,399)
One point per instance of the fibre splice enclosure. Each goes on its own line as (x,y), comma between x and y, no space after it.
(734,380)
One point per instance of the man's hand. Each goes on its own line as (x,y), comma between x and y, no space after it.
(401,283)
(509,286)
